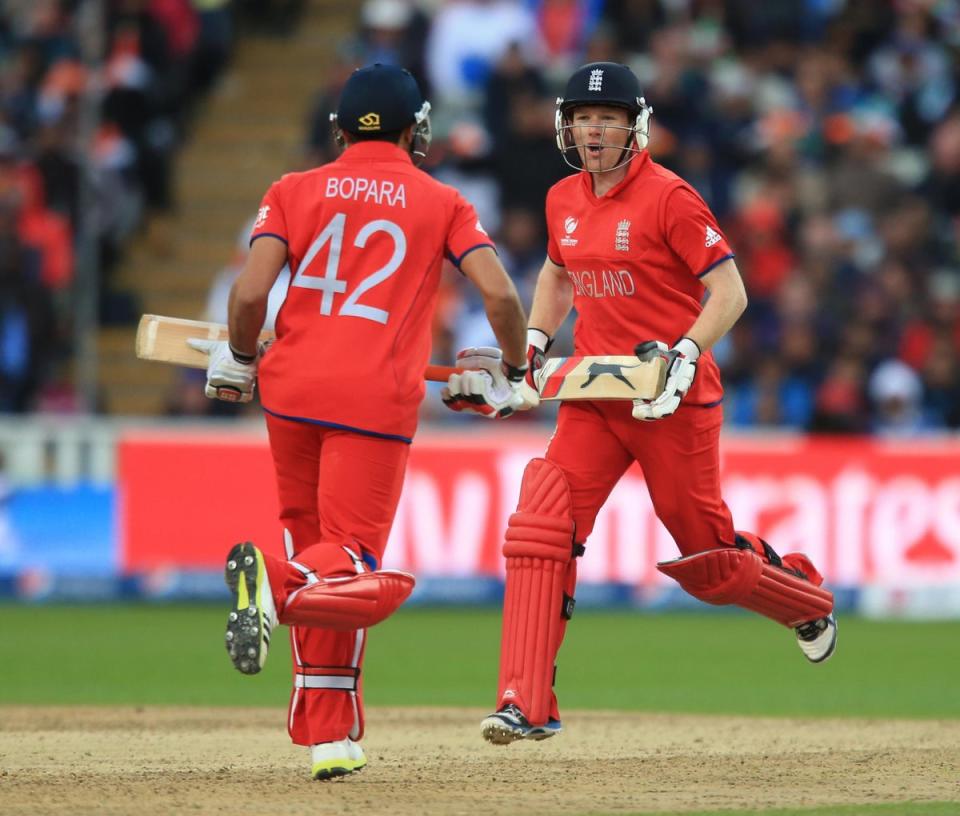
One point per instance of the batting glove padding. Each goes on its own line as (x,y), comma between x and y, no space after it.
(538,343)
(484,386)
(228,379)
(681,370)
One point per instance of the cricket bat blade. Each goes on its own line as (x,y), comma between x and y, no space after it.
(601,378)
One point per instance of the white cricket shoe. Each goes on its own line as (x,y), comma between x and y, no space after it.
(333,759)
(818,638)
(254,614)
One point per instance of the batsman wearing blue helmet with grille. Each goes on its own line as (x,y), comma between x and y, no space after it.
(634,250)
(365,237)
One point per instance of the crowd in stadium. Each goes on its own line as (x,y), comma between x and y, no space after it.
(824,134)
(108,86)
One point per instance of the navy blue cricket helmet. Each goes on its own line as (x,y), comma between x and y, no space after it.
(383,99)
(603,83)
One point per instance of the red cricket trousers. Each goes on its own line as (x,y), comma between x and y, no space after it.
(338,496)
(595,443)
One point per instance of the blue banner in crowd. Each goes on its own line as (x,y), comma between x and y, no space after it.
(65,531)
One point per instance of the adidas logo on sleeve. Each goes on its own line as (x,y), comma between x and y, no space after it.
(713,237)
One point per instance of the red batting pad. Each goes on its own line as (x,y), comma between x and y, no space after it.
(346,604)
(540,569)
(733,576)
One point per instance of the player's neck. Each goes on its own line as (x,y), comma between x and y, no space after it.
(603,183)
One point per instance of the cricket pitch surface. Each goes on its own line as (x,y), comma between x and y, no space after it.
(146,760)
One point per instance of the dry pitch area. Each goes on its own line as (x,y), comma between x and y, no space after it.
(432,761)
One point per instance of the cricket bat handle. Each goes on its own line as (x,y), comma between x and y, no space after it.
(440,373)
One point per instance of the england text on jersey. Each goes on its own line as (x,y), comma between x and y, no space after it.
(364,189)
(599,283)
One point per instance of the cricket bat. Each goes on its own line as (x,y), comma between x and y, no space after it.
(164,339)
(601,378)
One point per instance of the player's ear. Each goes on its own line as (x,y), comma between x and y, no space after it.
(406,136)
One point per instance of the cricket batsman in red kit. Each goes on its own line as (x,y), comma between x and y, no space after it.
(365,237)
(634,249)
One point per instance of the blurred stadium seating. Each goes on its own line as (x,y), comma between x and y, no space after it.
(825,135)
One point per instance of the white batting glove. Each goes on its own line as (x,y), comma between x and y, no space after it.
(538,342)
(681,370)
(484,387)
(228,378)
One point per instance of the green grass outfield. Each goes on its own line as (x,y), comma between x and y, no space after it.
(710,663)
(685,663)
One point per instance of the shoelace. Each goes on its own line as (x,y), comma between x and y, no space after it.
(515,712)
(812,630)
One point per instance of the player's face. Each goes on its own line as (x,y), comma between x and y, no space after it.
(600,133)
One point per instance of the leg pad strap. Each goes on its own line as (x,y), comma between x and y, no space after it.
(343,678)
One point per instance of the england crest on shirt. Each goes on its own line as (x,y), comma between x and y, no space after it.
(622,239)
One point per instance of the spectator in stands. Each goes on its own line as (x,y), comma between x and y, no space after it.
(943,181)
(148,70)
(839,404)
(38,227)
(467,39)
(320,147)
(566,27)
(518,115)
(772,397)
(214,41)
(26,336)
(914,70)
(896,395)
(394,32)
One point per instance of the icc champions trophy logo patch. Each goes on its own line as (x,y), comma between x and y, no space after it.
(569,225)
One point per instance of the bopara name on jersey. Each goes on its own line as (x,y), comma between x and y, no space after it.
(364,189)
(602,283)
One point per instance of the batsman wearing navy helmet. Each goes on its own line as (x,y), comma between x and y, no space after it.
(634,250)
(365,237)
(377,104)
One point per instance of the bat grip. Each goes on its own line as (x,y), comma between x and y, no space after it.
(440,373)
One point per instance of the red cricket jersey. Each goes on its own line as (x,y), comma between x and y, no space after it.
(634,257)
(366,238)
